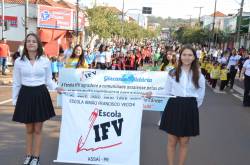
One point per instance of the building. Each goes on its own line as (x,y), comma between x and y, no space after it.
(54,22)
(207,20)
(153,26)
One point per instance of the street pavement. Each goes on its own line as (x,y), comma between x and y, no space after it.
(224,139)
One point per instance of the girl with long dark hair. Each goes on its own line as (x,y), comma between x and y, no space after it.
(180,118)
(33,105)
(77,59)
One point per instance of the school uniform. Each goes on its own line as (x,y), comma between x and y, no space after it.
(215,74)
(100,60)
(233,67)
(72,63)
(246,99)
(30,94)
(181,115)
(203,65)
(223,78)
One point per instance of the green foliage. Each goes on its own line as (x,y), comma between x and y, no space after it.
(169,22)
(105,23)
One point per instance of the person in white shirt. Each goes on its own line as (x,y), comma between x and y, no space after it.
(232,66)
(180,118)
(245,74)
(33,105)
(108,57)
(67,53)
(101,57)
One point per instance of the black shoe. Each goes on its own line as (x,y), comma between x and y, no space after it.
(27,160)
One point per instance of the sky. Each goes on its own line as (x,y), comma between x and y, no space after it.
(175,8)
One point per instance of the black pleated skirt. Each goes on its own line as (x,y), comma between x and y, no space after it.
(33,105)
(181,117)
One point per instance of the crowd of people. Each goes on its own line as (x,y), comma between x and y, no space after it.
(188,67)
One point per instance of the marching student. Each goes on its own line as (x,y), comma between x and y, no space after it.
(168,64)
(181,116)
(77,59)
(215,74)
(202,66)
(223,77)
(33,105)
(246,76)
(232,65)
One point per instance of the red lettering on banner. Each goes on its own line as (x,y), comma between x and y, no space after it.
(81,142)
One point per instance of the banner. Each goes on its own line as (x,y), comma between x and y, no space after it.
(100,129)
(117,82)
(54,17)
(12,20)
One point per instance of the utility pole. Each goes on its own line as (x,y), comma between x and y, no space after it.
(2,19)
(77,21)
(190,19)
(239,23)
(200,7)
(26,17)
(122,17)
(214,23)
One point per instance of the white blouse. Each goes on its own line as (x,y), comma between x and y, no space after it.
(185,87)
(233,61)
(247,66)
(31,75)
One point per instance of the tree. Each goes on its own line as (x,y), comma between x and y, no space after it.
(105,23)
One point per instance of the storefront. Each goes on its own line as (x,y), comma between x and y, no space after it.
(56,27)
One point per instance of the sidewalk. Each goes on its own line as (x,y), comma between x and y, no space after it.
(6,79)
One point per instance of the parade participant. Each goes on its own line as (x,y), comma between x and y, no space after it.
(54,68)
(33,105)
(169,63)
(242,61)
(215,74)
(77,60)
(223,77)
(101,57)
(108,59)
(202,66)
(90,58)
(246,76)
(67,53)
(181,116)
(232,65)
(60,61)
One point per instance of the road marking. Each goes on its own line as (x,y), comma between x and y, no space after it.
(236,89)
(238,97)
(6,101)
(239,89)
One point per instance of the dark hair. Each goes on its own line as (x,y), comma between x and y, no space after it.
(101,48)
(194,66)
(165,60)
(81,58)
(39,47)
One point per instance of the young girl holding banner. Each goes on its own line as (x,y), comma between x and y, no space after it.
(180,118)
(33,105)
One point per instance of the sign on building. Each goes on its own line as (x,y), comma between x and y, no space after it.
(11,20)
(55,17)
